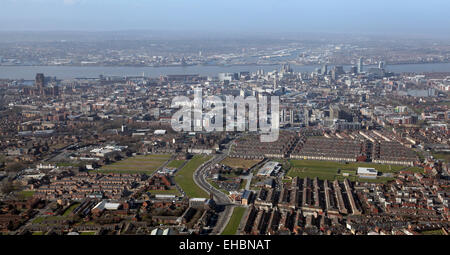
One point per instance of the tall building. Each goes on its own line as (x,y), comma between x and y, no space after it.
(360,65)
(381,64)
(39,83)
(324,70)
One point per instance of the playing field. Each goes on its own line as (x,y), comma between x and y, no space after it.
(175,163)
(165,192)
(328,170)
(239,163)
(234,222)
(137,164)
(185,177)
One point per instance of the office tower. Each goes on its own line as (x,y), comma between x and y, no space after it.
(360,65)
(353,70)
(324,70)
(333,74)
(275,85)
(381,64)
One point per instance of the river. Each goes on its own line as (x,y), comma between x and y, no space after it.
(70,72)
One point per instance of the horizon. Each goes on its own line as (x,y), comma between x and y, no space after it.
(412,18)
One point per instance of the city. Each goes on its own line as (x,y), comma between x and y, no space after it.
(205,126)
(360,151)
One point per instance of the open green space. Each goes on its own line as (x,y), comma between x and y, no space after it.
(165,192)
(26,194)
(137,164)
(234,222)
(38,233)
(239,162)
(175,163)
(185,177)
(87,233)
(436,232)
(70,209)
(442,156)
(328,170)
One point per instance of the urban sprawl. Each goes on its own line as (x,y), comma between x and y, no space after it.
(361,151)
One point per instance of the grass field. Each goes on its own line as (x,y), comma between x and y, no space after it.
(38,233)
(165,192)
(87,233)
(26,194)
(70,209)
(185,177)
(234,222)
(327,170)
(175,163)
(137,164)
(437,232)
(442,156)
(239,163)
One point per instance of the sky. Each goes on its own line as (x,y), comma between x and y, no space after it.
(428,17)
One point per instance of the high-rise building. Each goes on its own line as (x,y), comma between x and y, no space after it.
(381,64)
(39,82)
(360,65)
(324,70)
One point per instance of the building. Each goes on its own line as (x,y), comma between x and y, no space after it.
(39,83)
(365,172)
(269,168)
(246,197)
(360,65)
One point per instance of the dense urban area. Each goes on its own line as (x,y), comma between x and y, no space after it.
(361,150)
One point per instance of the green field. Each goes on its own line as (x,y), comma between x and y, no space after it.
(137,164)
(234,222)
(185,177)
(38,233)
(442,156)
(239,163)
(166,192)
(70,209)
(328,170)
(437,232)
(87,233)
(175,163)
(25,194)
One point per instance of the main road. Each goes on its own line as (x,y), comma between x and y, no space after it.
(221,199)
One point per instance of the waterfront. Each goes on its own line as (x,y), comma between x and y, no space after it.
(70,72)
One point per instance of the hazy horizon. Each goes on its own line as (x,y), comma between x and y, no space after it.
(382,17)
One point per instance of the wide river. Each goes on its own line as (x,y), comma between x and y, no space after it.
(69,72)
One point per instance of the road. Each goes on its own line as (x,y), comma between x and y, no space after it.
(220,198)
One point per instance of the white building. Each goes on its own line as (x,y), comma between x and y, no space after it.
(269,168)
(365,172)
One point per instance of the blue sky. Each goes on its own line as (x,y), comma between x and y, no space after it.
(354,16)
